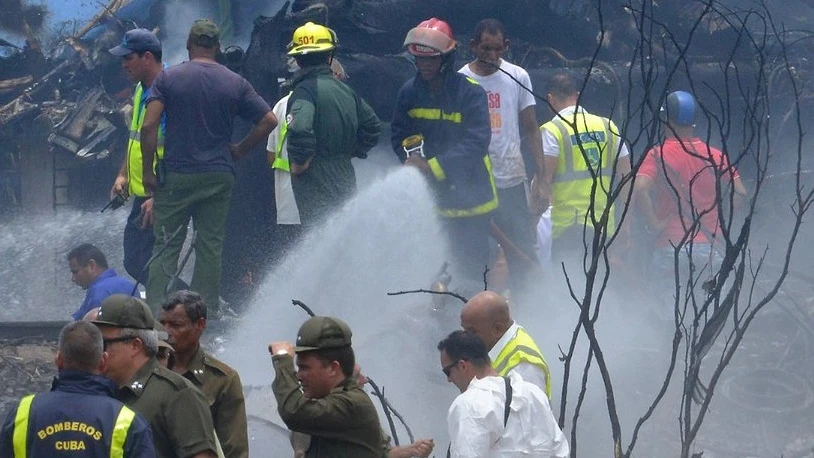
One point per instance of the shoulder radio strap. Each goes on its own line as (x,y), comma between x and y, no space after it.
(507,408)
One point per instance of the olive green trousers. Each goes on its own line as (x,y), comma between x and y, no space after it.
(204,198)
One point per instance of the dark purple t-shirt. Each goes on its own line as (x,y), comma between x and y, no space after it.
(201,100)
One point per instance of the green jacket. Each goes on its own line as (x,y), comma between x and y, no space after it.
(224,392)
(342,424)
(177,411)
(328,123)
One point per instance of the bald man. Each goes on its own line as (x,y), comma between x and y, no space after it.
(511,348)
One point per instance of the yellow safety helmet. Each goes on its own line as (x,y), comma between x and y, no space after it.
(311,38)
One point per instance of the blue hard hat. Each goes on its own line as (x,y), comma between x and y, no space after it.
(680,108)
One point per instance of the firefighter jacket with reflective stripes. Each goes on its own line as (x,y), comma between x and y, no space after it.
(522,349)
(78,418)
(134,162)
(585,152)
(457,132)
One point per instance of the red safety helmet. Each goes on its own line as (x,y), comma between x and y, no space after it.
(432,37)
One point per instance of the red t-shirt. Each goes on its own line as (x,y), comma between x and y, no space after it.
(689,166)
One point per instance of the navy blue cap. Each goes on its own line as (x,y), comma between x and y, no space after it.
(137,40)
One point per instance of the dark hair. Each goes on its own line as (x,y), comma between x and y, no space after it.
(85,252)
(206,42)
(312,59)
(193,304)
(562,85)
(81,347)
(156,54)
(490,26)
(343,355)
(465,346)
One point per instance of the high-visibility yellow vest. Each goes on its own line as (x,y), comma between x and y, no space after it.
(574,179)
(281,162)
(19,437)
(134,167)
(522,349)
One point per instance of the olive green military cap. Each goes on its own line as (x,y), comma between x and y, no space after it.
(321,332)
(125,311)
(204,33)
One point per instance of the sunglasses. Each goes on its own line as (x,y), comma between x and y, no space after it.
(107,342)
(448,368)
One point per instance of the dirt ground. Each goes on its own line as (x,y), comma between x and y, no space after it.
(26,366)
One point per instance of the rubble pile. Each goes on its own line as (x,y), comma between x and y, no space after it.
(26,366)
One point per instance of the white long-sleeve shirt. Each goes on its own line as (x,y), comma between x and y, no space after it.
(475,422)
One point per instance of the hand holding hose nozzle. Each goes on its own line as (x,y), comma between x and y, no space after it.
(414,146)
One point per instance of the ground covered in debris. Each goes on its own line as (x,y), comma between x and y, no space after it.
(26,366)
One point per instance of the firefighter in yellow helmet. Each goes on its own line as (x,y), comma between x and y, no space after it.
(326,125)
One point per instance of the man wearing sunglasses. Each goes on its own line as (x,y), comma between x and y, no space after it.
(495,416)
(177,411)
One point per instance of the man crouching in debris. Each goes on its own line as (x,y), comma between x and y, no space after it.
(331,407)
(197,173)
(140,51)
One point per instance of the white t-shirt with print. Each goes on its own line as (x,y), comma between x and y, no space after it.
(506,100)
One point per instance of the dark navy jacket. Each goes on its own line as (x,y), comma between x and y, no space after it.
(106,284)
(76,419)
(457,132)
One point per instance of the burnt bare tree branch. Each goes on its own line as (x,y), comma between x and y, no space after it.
(717,295)
(427,291)
(302,305)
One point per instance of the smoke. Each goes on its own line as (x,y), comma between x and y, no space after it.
(236,23)
(18,14)
(35,282)
(386,239)
(178,18)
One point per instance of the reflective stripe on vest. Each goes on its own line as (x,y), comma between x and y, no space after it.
(20,436)
(280,162)
(522,349)
(21,427)
(134,166)
(117,440)
(481,209)
(584,142)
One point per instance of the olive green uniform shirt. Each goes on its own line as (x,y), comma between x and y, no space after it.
(176,410)
(223,390)
(342,424)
